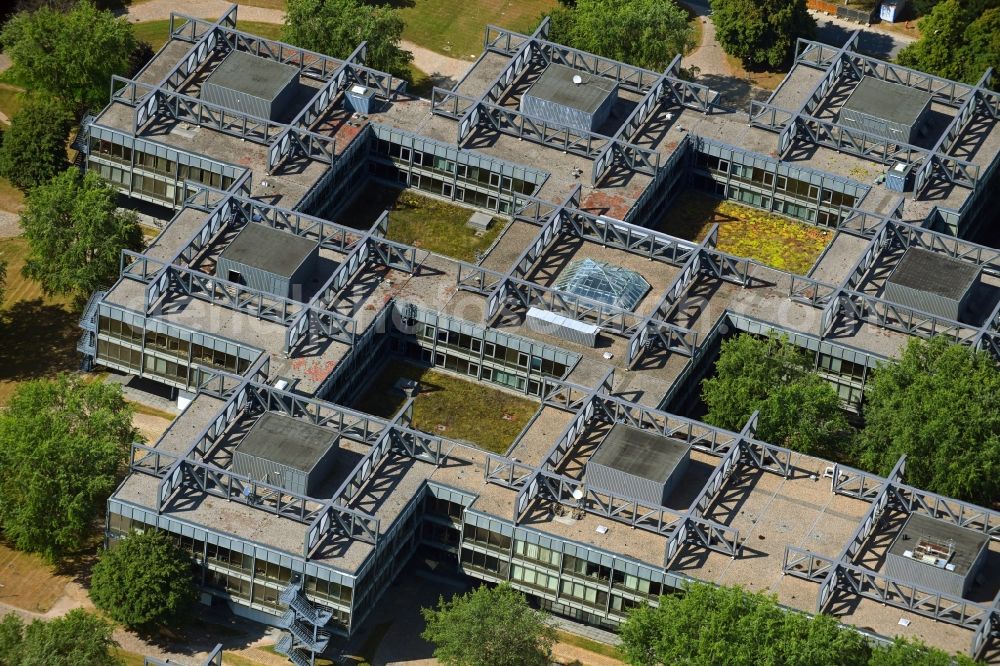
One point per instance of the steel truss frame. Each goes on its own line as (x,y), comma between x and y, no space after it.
(207,39)
(841,575)
(935,163)
(846,303)
(180,474)
(607,152)
(226,210)
(598,405)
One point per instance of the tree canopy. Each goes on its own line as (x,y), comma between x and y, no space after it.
(63,442)
(939,405)
(489,626)
(712,625)
(798,408)
(143,581)
(77,638)
(761,33)
(34,147)
(69,54)
(709,625)
(337,27)
(646,33)
(959,40)
(76,233)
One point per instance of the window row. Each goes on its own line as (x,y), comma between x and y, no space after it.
(485,537)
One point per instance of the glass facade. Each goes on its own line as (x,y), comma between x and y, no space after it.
(446,171)
(241,572)
(487,355)
(567,578)
(178,357)
(151,171)
(763,182)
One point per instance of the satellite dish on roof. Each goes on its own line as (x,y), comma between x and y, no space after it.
(578,493)
(577,79)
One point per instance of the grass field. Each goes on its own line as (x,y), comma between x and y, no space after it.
(27,581)
(467,410)
(424,222)
(156,32)
(587,644)
(777,241)
(11,100)
(38,334)
(456,28)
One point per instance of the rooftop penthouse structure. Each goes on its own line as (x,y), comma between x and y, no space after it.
(310,539)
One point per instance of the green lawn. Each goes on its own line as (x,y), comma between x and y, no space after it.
(468,410)
(156,32)
(38,334)
(771,239)
(421,221)
(456,28)
(420,83)
(587,644)
(10,99)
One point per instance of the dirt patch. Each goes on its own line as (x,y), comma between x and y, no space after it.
(28,582)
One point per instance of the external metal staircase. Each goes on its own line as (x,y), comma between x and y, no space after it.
(303,623)
(87,345)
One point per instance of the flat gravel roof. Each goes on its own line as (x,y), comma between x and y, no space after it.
(253,75)
(639,452)
(935,273)
(269,249)
(556,85)
(891,101)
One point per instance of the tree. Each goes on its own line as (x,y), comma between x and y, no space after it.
(143,581)
(959,40)
(77,638)
(646,33)
(76,233)
(709,625)
(488,627)
(939,405)
(903,652)
(63,442)
(69,54)
(798,408)
(761,33)
(34,148)
(712,625)
(337,27)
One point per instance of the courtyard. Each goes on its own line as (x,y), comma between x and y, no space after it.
(771,239)
(450,406)
(414,219)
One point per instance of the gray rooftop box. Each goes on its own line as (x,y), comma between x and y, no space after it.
(269,260)
(566,96)
(257,86)
(286,452)
(888,110)
(637,463)
(932,282)
(936,555)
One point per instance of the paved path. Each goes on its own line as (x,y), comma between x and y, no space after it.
(9,224)
(439,67)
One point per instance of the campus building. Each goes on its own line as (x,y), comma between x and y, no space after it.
(269,313)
